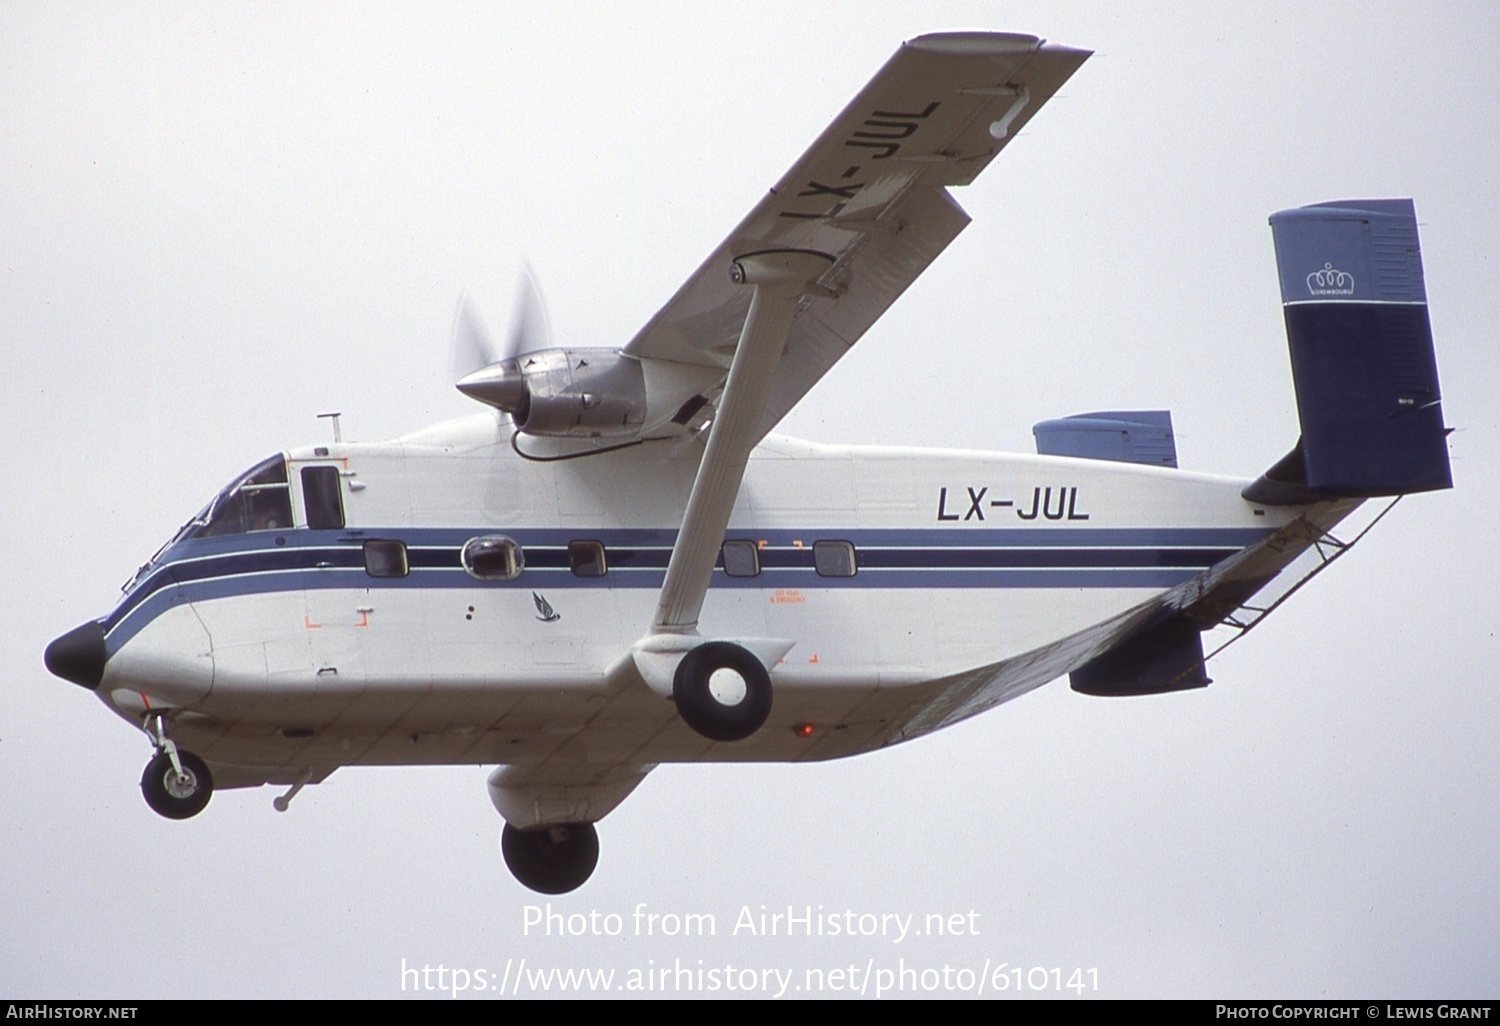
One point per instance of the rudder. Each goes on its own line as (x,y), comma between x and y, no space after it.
(1357,326)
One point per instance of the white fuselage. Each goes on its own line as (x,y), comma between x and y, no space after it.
(978,576)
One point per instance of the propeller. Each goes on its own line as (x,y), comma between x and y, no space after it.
(490,374)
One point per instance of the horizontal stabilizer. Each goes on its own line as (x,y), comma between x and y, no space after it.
(1355,305)
(1124,436)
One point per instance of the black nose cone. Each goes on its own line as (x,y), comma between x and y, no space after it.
(78,655)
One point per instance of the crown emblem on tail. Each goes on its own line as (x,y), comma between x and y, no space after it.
(1330,282)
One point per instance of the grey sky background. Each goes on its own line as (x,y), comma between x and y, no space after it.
(217,222)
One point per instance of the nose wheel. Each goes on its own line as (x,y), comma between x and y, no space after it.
(177,794)
(176,784)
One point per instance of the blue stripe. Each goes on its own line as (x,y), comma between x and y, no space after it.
(125,623)
(206,568)
(665,538)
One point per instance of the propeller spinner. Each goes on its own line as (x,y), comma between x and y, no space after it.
(493,375)
(592,393)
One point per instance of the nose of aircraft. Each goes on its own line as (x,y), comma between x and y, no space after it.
(78,655)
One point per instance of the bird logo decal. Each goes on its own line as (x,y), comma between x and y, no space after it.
(544,610)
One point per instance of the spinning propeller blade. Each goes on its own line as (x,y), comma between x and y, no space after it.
(472,347)
(490,374)
(530,328)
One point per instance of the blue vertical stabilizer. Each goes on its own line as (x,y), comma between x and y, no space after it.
(1362,358)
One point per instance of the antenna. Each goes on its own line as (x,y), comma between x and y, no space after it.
(338,435)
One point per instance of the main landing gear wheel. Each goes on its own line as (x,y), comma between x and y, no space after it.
(722,691)
(177,795)
(552,859)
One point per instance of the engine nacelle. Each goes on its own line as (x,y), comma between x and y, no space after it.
(587,393)
(582,392)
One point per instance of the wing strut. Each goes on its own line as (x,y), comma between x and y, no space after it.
(779,279)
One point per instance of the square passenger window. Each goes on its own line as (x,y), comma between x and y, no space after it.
(834,558)
(386,558)
(741,558)
(586,558)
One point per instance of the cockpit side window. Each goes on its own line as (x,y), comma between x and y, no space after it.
(259,501)
(320,494)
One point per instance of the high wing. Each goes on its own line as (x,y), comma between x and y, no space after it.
(843,234)
(871,195)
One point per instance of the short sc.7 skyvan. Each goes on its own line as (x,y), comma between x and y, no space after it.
(617,563)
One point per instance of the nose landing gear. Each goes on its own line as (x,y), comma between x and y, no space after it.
(176,784)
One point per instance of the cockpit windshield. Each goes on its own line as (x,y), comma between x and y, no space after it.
(259,500)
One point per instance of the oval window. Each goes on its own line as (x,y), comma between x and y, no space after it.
(493,558)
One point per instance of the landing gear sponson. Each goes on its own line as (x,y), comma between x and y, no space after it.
(549,841)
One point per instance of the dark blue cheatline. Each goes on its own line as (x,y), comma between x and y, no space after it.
(203,569)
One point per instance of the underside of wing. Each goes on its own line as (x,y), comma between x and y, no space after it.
(871,196)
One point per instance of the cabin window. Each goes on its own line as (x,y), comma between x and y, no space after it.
(586,558)
(834,559)
(741,558)
(386,557)
(257,501)
(322,499)
(493,558)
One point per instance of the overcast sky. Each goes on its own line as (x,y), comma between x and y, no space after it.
(217,221)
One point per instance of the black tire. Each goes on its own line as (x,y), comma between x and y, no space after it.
(553,859)
(693,691)
(177,797)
